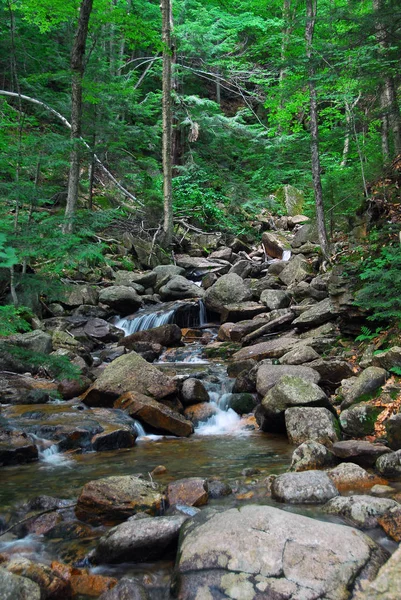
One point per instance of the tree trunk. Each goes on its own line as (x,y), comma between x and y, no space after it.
(167,122)
(77,67)
(311,9)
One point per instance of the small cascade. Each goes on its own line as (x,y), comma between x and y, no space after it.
(53,457)
(286,255)
(145,320)
(183,314)
(139,429)
(202,314)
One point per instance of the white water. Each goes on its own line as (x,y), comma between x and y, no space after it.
(51,456)
(145,321)
(286,255)
(202,313)
(224,422)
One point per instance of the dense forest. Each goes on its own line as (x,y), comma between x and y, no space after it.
(200,299)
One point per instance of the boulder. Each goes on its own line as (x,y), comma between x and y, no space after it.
(243,268)
(275,321)
(197,263)
(310,455)
(102,330)
(166,335)
(218,489)
(317,424)
(114,499)
(387,584)
(16,447)
(77,295)
(332,371)
(393,431)
(296,270)
(179,288)
(126,589)
(299,356)
(274,244)
(242,403)
(228,289)
(388,359)
(360,511)
(272,349)
(359,420)
(121,298)
(139,540)
(261,552)
(132,278)
(154,415)
(24,389)
(193,491)
(269,375)
(361,452)
(316,315)
(14,587)
(307,233)
(193,392)
(129,372)
(349,476)
(51,585)
(306,487)
(166,272)
(241,310)
(224,253)
(199,413)
(367,382)
(389,464)
(390,521)
(37,342)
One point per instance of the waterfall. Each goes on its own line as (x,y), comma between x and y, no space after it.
(202,314)
(286,255)
(145,320)
(225,420)
(52,456)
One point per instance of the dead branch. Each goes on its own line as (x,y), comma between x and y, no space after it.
(39,514)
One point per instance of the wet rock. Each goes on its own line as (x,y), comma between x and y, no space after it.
(390,521)
(129,372)
(193,392)
(113,439)
(14,587)
(317,424)
(24,389)
(16,448)
(272,349)
(197,263)
(123,299)
(179,288)
(166,335)
(296,270)
(349,476)
(71,388)
(148,351)
(218,489)
(367,382)
(360,511)
(44,523)
(241,403)
(332,371)
(241,311)
(297,557)
(199,413)
(114,499)
(274,244)
(299,356)
(389,465)
(52,586)
(154,415)
(380,490)
(126,589)
(361,452)
(192,491)
(387,584)
(269,375)
(358,421)
(139,540)
(316,315)
(228,289)
(307,487)
(393,431)
(310,455)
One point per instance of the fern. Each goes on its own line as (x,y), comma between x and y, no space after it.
(396,370)
(366,334)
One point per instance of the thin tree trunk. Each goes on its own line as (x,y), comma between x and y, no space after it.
(311,9)
(77,67)
(167,123)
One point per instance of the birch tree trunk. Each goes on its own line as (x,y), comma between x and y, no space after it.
(311,9)
(77,68)
(167,122)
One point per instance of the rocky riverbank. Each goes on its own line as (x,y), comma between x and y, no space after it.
(281,327)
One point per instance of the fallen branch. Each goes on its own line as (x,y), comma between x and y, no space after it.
(39,514)
(122,189)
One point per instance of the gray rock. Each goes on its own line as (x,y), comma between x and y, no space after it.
(389,465)
(360,511)
(193,392)
(16,447)
(261,553)
(272,349)
(228,289)
(299,356)
(35,341)
(169,271)
(79,294)
(14,587)
(349,476)
(121,298)
(243,268)
(166,335)
(310,455)
(316,315)
(388,359)
(307,233)
(359,420)
(222,254)
(241,310)
(274,244)
(296,270)
(126,589)
(393,430)
(268,375)
(274,299)
(139,540)
(367,382)
(131,278)
(102,330)
(241,403)
(179,288)
(307,487)
(317,424)
(332,371)
(387,584)
(359,451)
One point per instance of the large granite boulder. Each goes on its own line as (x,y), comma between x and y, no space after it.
(360,452)
(274,244)
(16,447)
(389,465)
(272,349)
(297,270)
(268,375)
(306,487)
(14,587)
(155,416)
(317,424)
(129,372)
(393,431)
(310,455)
(34,341)
(316,315)
(24,389)
(114,499)
(388,359)
(165,335)
(228,289)
(132,278)
(366,383)
(261,552)
(121,298)
(360,511)
(179,288)
(126,589)
(140,539)
(350,476)
(359,420)
(192,491)
(193,392)
(387,584)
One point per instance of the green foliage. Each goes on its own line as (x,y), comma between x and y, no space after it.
(14,319)
(396,371)
(367,335)
(59,367)
(381,290)
(8,258)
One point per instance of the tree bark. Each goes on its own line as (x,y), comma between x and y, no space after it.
(311,9)
(77,68)
(166,9)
